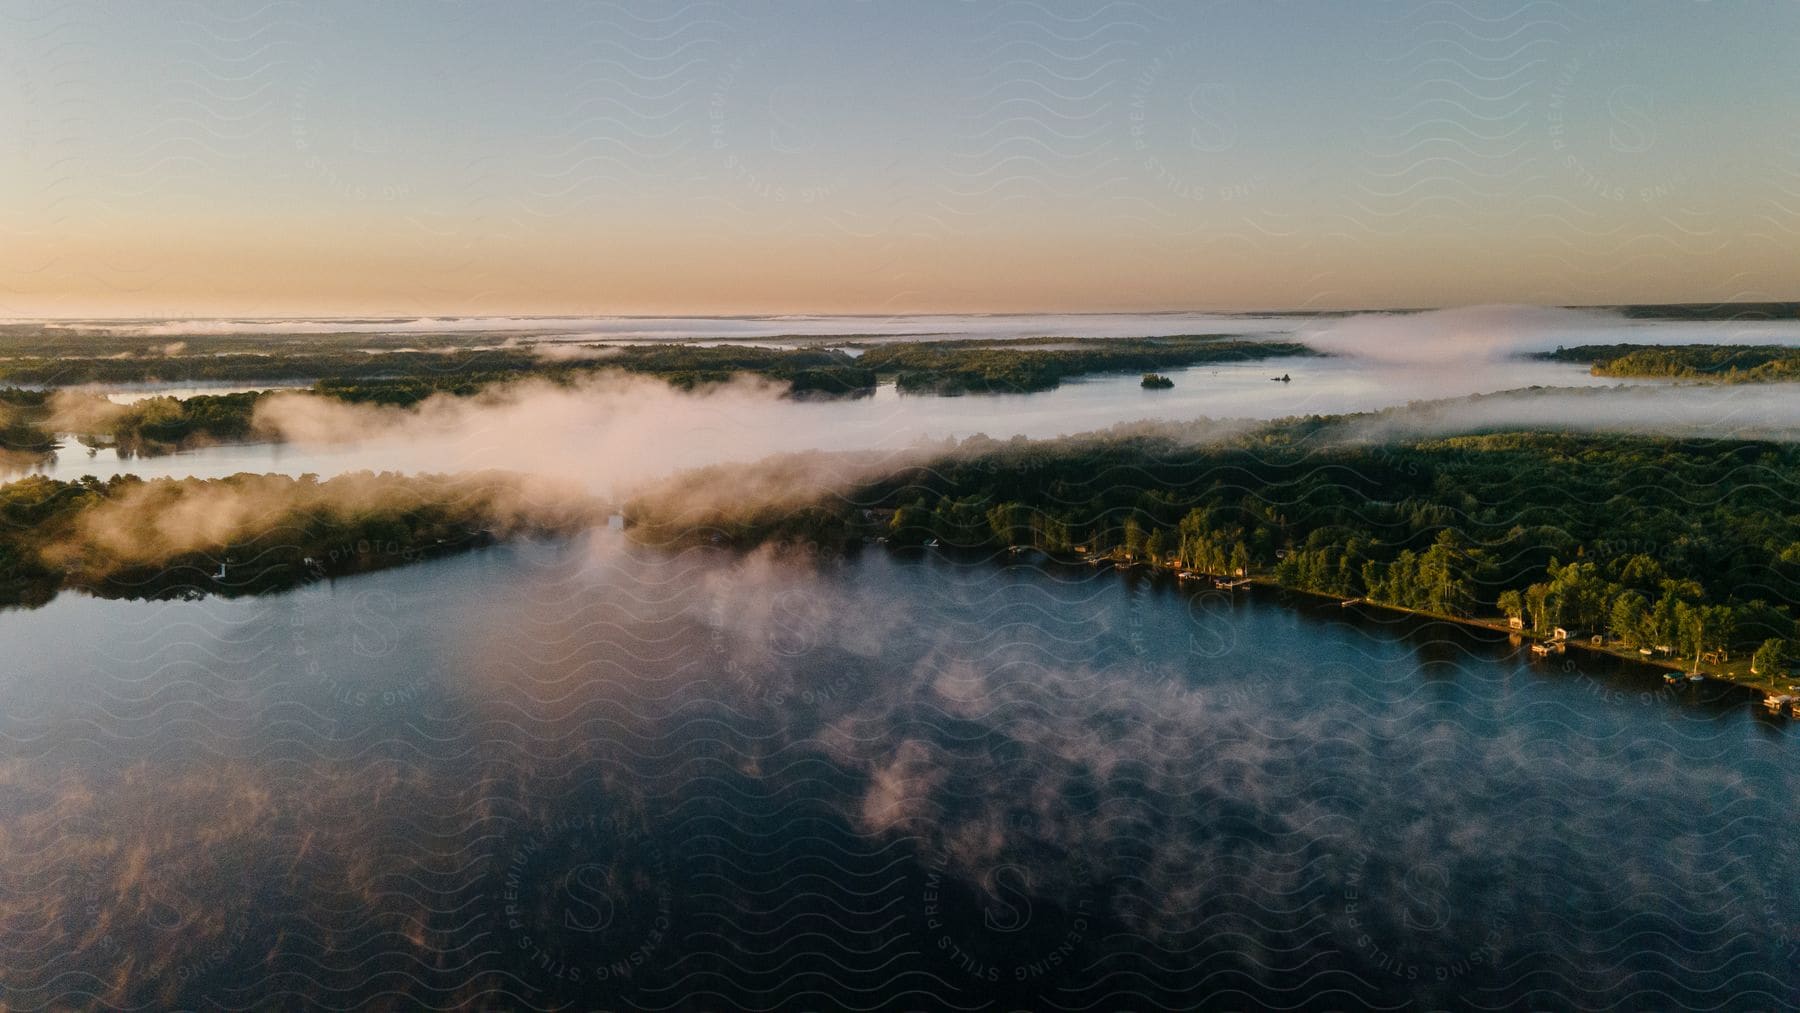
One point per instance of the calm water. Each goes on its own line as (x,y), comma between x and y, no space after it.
(585,774)
(885,421)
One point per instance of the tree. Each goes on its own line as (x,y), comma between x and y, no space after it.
(1010,523)
(1641,571)
(1771,659)
(1721,625)
(1512,604)
(1537,602)
(1630,615)
(1664,624)
(1445,575)
(1156,546)
(1134,538)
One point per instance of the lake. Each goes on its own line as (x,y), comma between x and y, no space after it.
(591,774)
(885,421)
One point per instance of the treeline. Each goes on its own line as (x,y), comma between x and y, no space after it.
(30,420)
(264,367)
(158,423)
(249,534)
(1726,363)
(1026,365)
(1652,541)
(22,415)
(450,368)
(79,339)
(405,375)
(806,371)
(1713,311)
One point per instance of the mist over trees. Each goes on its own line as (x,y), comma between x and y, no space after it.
(1689,544)
(1725,363)
(249,534)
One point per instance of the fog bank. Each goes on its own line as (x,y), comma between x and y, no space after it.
(1477,335)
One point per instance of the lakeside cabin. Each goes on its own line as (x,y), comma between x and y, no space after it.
(1516,623)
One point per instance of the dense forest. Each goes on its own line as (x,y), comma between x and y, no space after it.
(1690,545)
(1036,364)
(247,534)
(442,369)
(89,339)
(395,375)
(31,419)
(22,417)
(1712,311)
(1724,363)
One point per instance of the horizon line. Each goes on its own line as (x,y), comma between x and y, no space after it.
(803,314)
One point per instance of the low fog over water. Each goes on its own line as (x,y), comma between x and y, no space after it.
(881,769)
(613,431)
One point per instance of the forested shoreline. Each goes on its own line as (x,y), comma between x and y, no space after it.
(1716,363)
(1027,365)
(32,419)
(1690,545)
(127,537)
(401,375)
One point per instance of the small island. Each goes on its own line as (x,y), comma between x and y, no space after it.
(1157,381)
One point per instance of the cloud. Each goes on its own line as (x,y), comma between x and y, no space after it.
(1717,411)
(613,431)
(1461,336)
(155,521)
(1473,335)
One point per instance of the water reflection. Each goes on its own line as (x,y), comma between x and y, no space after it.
(588,774)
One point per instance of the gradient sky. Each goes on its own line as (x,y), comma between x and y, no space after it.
(881,157)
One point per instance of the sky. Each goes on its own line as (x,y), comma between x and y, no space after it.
(865,156)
